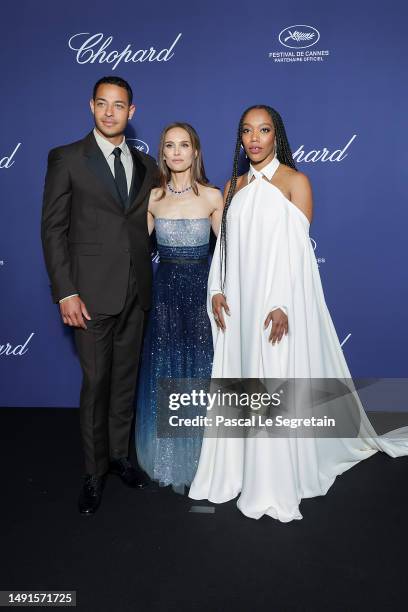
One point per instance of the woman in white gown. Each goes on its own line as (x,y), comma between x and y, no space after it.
(264,276)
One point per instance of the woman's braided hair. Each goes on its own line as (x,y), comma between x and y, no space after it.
(284,155)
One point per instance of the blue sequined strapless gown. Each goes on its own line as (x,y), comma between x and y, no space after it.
(177,344)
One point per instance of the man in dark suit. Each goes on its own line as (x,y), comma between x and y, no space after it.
(96,248)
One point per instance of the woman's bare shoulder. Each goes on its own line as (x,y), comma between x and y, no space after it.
(287,171)
(300,192)
(210,191)
(298,180)
(292,175)
(155,194)
(154,199)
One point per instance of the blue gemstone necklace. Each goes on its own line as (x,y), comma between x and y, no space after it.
(178,192)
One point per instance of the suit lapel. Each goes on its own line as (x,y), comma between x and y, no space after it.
(135,184)
(141,182)
(97,164)
(99,167)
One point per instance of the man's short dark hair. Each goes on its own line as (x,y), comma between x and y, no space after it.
(112,80)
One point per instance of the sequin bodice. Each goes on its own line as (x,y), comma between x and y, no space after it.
(182,238)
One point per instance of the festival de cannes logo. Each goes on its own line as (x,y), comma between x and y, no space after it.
(299,37)
(138,144)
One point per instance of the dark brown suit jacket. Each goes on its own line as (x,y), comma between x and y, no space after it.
(88,237)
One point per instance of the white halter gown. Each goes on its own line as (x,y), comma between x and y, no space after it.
(271,263)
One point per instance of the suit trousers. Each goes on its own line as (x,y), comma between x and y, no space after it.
(109,351)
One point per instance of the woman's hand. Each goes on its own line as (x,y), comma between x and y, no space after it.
(279,325)
(219,304)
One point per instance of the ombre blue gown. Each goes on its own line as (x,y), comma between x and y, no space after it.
(177,344)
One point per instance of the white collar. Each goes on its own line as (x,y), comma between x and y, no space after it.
(268,171)
(107,147)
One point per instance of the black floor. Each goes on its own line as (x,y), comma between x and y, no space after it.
(144,550)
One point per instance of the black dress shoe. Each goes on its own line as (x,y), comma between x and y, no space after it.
(131,476)
(91,494)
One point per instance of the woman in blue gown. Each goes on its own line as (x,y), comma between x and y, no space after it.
(178,341)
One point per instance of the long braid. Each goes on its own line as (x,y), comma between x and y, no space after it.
(230,195)
(284,155)
(283,150)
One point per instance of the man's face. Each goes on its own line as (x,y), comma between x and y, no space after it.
(111,110)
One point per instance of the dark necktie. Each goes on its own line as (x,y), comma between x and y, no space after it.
(120,176)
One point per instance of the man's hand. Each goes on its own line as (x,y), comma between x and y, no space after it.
(219,304)
(73,311)
(279,325)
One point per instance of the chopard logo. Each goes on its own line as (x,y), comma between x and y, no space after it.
(91,48)
(17,351)
(138,144)
(6,161)
(322,155)
(345,340)
(299,37)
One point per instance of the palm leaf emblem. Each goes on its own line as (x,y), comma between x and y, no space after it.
(299,36)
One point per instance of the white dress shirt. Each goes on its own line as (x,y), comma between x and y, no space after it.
(126,156)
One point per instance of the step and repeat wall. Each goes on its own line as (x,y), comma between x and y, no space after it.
(335,71)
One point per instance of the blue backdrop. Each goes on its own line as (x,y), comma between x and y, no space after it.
(337,74)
